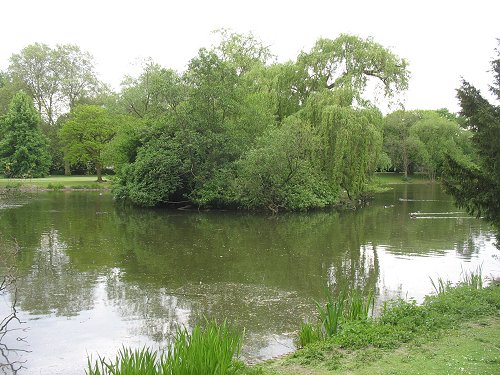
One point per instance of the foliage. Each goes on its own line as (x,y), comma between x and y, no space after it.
(55,78)
(400,322)
(334,315)
(349,62)
(245,132)
(308,333)
(476,186)
(86,135)
(279,172)
(23,148)
(419,140)
(208,350)
(157,92)
(8,88)
(400,146)
(55,186)
(434,137)
(350,139)
(155,175)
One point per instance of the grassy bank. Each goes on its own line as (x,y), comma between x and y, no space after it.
(471,348)
(54,183)
(456,331)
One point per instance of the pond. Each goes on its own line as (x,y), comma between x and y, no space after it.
(93,275)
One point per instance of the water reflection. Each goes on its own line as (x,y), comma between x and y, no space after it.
(95,275)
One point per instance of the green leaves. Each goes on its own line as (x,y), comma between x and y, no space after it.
(245,134)
(476,187)
(23,148)
(87,134)
(350,62)
(56,78)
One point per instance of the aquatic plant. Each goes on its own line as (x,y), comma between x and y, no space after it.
(345,308)
(440,285)
(204,351)
(55,186)
(308,333)
(330,315)
(473,279)
(212,349)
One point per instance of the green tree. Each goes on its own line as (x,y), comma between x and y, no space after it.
(56,78)
(350,62)
(36,68)
(399,145)
(76,73)
(350,139)
(476,186)
(279,173)
(23,147)
(155,176)
(8,88)
(156,93)
(435,136)
(234,134)
(242,51)
(86,136)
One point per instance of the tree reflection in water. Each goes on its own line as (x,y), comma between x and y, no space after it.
(94,275)
(12,331)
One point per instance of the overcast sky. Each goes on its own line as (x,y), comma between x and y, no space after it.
(443,40)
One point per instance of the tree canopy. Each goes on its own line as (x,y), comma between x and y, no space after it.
(86,135)
(23,147)
(476,185)
(235,129)
(245,131)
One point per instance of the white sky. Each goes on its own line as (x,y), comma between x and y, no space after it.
(443,40)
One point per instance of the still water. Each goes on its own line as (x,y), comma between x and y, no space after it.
(93,275)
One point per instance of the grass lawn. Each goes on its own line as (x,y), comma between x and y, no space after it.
(388,178)
(474,348)
(55,182)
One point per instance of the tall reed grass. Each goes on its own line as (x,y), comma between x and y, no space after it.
(212,349)
(472,279)
(440,285)
(346,307)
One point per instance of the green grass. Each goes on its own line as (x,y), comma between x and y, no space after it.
(212,349)
(471,349)
(388,178)
(54,183)
(444,335)
(347,307)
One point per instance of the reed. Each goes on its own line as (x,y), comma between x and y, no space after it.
(440,285)
(358,307)
(204,351)
(473,279)
(308,333)
(212,349)
(346,307)
(330,315)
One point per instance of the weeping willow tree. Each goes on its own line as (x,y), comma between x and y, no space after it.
(350,140)
(337,75)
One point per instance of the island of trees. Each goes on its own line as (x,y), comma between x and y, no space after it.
(238,129)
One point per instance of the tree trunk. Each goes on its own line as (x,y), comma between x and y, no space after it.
(67,169)
(98,169)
